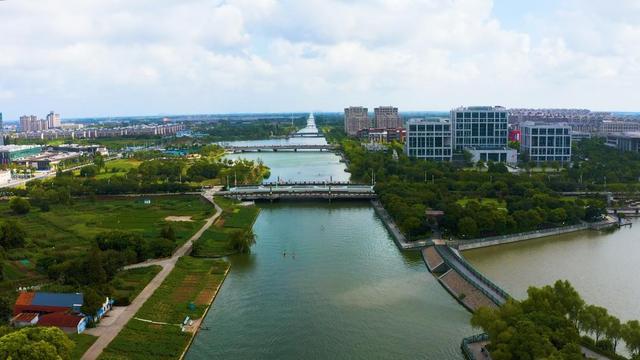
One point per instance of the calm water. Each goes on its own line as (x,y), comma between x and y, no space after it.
(300,166)
(602,267)
(347,294)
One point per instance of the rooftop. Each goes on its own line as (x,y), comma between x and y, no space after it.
(17,147)
(481,108)
(60,319)
(50,299)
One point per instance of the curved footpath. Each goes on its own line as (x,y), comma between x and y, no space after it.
(108,330)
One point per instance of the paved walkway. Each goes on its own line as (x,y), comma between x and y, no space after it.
(399,238)
(109,331)
(462,268)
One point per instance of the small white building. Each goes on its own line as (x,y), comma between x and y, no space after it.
(5,177)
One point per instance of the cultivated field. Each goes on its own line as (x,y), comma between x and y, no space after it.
(187,291)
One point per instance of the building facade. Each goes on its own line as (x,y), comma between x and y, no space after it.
(10,153)
(387,117)
(546,142)
(53,120)
(429,139)
(356,118)
(628,141)
(479,127)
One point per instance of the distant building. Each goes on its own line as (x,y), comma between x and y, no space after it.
(356,118)
(546,142)
(53,120)
(382,135)
(515,135)
(46,160)
(387,117)
(1,124)
(629,141)
(612,127)
(579,136)
(10,153)
(429,139)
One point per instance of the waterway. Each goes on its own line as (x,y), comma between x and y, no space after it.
(602,266)
(348,293)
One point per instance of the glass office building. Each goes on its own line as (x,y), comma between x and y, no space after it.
(479,127)
(546,142)
(429,139)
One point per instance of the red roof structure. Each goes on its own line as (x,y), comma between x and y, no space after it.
(60,319)
(25,317)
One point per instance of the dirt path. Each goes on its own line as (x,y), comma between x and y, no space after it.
(107,333)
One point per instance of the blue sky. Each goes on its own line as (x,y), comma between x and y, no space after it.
(147,57)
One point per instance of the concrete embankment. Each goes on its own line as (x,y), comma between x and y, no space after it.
(506,239)
(401,241)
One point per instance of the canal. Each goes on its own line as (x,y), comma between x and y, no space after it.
(601,266)
(342,291)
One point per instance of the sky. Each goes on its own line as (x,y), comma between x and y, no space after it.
(149,57)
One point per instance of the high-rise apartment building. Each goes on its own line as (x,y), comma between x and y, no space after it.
(387,117)
(53,120)
(546,142)
(429,139)
(356,118)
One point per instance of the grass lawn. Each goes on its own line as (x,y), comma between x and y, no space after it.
(128,283)
(71,229)
(83,342)
(192,281)
(215,241)
(500,204)
(118,167)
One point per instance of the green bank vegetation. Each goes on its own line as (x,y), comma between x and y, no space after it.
(187,291)
(232,233)
(552,323)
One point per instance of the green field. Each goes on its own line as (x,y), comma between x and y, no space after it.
(214,242)
(71,229)
(83,343)
(193,281)
(500,204)
(128,283)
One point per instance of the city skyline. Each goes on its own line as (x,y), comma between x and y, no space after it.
(238,56)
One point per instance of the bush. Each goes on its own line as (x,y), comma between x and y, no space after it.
(19,205)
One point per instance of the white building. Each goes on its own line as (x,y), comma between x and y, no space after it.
(546,142)
(429,139)
(479,127)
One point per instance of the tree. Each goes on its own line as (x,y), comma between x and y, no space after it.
(12,235)
(92,301)
(89,171)
(480,165)
(467,228)
(613,331)
(631,337)
(19,205)
(167,232)
(98,161)
(555,165)
(42,343)
(94,272)
(595,320)
(242,240)
(6,309)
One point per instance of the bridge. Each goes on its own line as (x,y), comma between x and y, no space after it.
(301,191)
(279,147)
(472,289)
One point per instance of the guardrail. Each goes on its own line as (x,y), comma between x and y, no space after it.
(479,276)
(582,226)
(471,340)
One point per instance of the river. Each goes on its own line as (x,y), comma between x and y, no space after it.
(601,266)
(348,293)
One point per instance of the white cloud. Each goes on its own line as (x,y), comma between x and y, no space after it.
(163,56)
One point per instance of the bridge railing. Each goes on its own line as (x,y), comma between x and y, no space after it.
(580,226)
(292,183)
(447,258)
(466,342)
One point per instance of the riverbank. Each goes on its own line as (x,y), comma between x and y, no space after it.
(197,324)
(397,235)
(462,245)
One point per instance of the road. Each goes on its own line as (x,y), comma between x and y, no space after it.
(106,333)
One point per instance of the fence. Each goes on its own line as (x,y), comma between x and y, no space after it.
(470,340)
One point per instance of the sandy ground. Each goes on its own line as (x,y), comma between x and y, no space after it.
(178,218)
